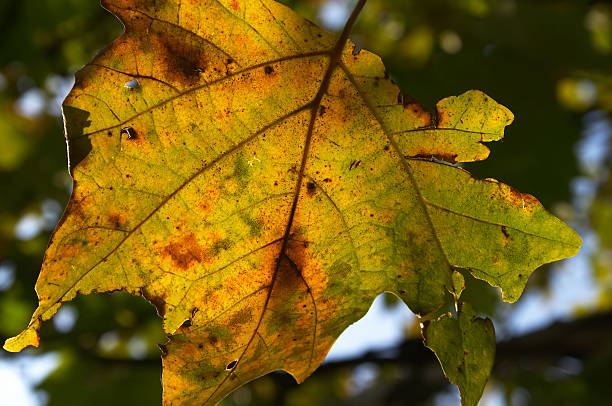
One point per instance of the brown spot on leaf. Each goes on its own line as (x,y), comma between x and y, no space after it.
(311,188)
(205,206)
(75,208)
(291,265)
(184,252)
(269,70)
(522,200)
(116,219)
(354,165)
(295,272)
(504,230)
(182,59)
(157,301)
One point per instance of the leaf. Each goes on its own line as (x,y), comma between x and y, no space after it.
(458,284)
(262,182)
(465,347)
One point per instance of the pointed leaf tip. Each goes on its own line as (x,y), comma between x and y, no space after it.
(28,337)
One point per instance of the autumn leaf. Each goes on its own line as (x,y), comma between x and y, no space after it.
(260,181)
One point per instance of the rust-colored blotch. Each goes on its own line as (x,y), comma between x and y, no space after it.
(184,252)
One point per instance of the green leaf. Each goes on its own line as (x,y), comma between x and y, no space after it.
(465,346)
(458,284)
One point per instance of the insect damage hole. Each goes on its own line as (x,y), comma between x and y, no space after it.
(354,165)
(231,365)
(132,84)
(504,230)
(131,133)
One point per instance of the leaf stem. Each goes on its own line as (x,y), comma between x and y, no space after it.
(350,23)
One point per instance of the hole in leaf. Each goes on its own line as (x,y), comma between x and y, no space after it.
(131,133)
(132,84)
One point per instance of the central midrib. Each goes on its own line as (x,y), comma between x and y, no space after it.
(314,106)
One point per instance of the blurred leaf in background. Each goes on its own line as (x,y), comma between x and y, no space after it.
(549,61)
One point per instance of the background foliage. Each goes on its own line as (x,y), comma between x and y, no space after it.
(549,61)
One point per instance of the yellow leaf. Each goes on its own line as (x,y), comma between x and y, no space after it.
(260,181)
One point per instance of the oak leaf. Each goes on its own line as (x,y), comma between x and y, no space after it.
(261,180)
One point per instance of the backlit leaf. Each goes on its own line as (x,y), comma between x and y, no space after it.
(261,181)
(465,347)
